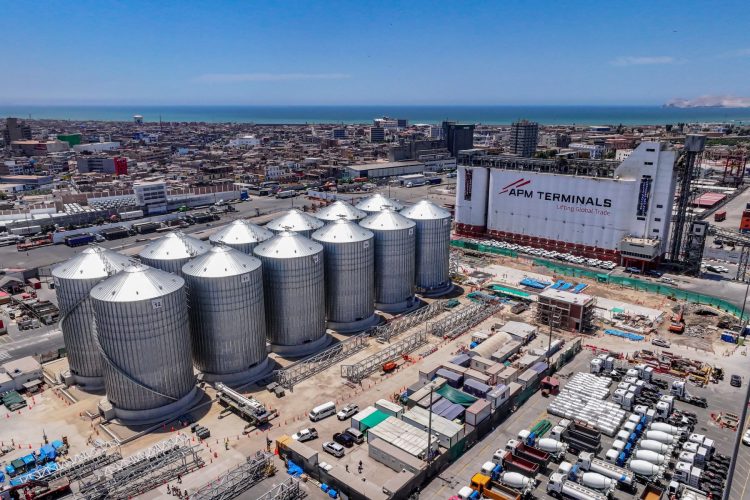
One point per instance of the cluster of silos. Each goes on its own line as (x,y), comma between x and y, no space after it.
(141,328)
(340,210)
(227,315)
(295,221)
(377,202)
(395,240)
(294,293)
(172,251)
(349,256)
(241,235)
(433,226)
(74,280)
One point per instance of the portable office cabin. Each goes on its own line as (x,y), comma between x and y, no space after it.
(481,364)
(522,332)
(448,433)
(389,408)
(454,379)
(404,436)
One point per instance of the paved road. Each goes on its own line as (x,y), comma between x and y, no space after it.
(30,343)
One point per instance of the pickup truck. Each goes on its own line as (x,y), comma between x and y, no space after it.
(307,434)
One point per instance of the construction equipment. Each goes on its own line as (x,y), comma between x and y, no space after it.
(679,390)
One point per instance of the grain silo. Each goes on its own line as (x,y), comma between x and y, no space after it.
(74,280)
(338,210)
(294,293)
(172,251)
(227,317)
(295,221)
(141,327)
(395,241)
(377,202)
(241,235)
(433,247)
(349,255)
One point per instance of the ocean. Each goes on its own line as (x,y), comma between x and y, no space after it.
(490,115)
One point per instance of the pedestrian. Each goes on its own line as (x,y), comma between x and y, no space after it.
(347,467)
(179,479)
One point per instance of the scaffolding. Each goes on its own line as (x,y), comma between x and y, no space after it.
(143,471)
(458,322)
(384,333)
(234,482)
(306,368)
(79,466)
(288,490)
(360,370)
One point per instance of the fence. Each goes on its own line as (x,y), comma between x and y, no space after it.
(478,247)
(645,286)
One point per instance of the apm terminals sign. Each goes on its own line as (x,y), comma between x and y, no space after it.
(565,202)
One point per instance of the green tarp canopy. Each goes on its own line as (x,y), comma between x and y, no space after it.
(372,420)
(456,396)
(509,291)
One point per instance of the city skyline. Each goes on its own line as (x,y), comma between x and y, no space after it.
(327,53)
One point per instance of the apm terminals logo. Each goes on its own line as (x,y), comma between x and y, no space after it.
(514,185)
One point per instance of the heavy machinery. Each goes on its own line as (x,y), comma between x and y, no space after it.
(558,486)
(679,390)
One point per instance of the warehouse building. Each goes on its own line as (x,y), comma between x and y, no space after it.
(595,208)
(384,169)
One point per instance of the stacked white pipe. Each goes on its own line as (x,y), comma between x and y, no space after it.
(584,399)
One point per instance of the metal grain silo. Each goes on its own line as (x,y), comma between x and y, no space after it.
(349,255)
(295,221)
(227,317)
(294,293)
(141,327)
(340,209)
(241,235)
(395,241)
(433,247)
(377,202)
(172,251)
(73,280)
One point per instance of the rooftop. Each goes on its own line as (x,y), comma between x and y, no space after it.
(384,164)
(578,299)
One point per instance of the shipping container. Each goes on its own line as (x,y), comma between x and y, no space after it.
(475,388)
(454,379)
(476,375)
(79,239)
(720,216)
(481,364)
(389,408)
(134,214)
(26,230)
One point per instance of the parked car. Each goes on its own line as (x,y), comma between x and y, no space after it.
(344,439)
(307,434)
(746,438)
(334,449)
(666,279)
(654,273)
(735,381)
(632,270)
(658,341)
(713,269)
(347,411)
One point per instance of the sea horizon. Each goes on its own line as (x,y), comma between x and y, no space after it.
(364,114)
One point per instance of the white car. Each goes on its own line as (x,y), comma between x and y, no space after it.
(347,411)
(334,449)
(307,434)
(746,438)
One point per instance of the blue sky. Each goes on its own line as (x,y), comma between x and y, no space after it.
(372,52)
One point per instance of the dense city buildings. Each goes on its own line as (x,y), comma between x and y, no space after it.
(457,136)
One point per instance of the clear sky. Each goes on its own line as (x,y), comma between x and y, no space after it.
(372,52)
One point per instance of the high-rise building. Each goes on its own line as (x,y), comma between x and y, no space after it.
(458,137)
(377,134)
(339,133)
(15,131)
(523,138)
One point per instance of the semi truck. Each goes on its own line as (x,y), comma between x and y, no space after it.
(517,464)
(592,480)
(521,450)
(524,485)
(679,390)
(79,240)
(558,487)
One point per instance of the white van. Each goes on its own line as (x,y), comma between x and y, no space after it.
(322,411)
